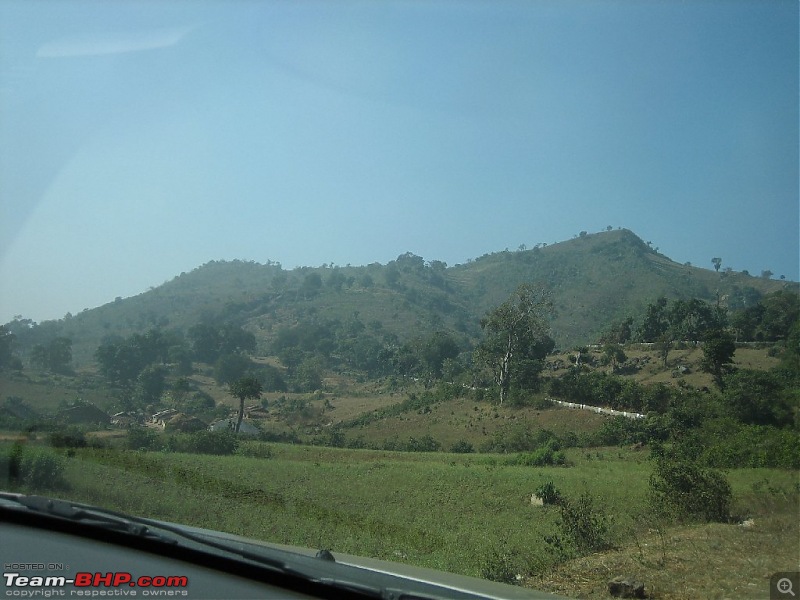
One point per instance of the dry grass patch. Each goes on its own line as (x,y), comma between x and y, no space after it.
(349,407)
(712,561)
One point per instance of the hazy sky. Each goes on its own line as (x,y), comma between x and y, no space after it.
(142,139)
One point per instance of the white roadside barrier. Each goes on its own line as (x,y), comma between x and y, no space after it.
(599,409)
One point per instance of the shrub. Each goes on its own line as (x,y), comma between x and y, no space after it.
(142,438)
(725,443)
(445,391)
(682,489)
(33,467)
(757,398)
(42,469)
(546,455)
(582,529)
(424,444)
(620,431)
(71,437)
(500,565)
(520,438)
(462,447)
(549,493)
(597,389)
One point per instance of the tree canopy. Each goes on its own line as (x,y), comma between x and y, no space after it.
(516,336)
(718,351)
(246,388)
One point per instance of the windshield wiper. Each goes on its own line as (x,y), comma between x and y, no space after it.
(322,569)
(88,515)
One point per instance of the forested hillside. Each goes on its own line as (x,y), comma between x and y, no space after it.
(594,280)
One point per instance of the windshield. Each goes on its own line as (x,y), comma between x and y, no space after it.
(505,289)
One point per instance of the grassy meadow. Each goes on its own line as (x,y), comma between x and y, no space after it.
(464,513)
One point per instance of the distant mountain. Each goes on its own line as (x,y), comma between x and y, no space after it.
(594,279)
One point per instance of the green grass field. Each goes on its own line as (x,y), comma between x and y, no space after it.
(470,514)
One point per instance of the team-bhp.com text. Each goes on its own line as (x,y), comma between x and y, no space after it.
(94,585)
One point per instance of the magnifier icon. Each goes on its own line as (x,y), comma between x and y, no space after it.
(784,586)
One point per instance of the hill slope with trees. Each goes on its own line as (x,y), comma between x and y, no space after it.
(594,280)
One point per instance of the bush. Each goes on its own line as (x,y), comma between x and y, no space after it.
(462,447)
(682,489)
(519,438)
(424,444)
(549,493)
(142,438)
(546,455)
(621,431)
(71,437)
(500,565)
(42,469)
(583,528)
(727,444)
(445,391)
(34,467)
(597,389)
(757,398)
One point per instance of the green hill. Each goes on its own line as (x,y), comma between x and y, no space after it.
(595,279)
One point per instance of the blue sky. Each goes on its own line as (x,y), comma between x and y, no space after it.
(142,139)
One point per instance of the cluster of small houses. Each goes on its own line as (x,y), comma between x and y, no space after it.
(168,420)
(173,420)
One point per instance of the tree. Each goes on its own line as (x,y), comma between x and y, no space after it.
(757,398)
(246,388)
(336,280)
(717,263)
(308,375)
(121,360)
(54,356)
(180,390)
(60,355)
(6,341)
(689,320)
(431,351)
(620,332)
(38,356)
(781,311)
(718,351)
(613,354)
(656,322)
(516,330)
(685,320)
(210,341)
(663,345)
(312,283)
(150,384)
(231,367)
